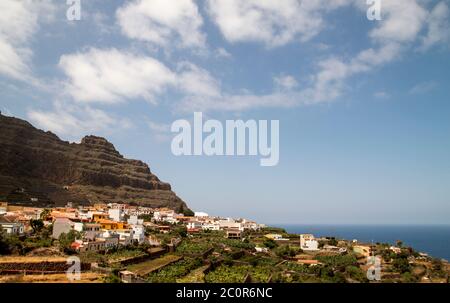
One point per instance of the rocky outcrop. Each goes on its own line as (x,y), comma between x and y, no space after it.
(38,168)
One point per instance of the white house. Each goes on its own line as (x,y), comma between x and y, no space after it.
(111,240)
(165,216)
(138,233)
(261,249)
(276,237)
(194,225)
(125,237)
(211,226)
(200,214)
(308,242)
(115,214)
(133,220)
(78,226)
(12,228)
(230,224)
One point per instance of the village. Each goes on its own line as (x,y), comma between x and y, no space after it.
(131,244)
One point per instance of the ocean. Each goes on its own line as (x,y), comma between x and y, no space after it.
(431,239)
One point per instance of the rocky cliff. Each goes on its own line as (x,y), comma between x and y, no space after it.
(37,168)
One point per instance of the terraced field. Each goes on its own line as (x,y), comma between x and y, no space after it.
(145,268)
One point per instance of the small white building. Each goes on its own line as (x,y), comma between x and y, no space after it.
(115,214)
(211,226)
(194,225)
(308,242)
(200,214)
(11,228)
(138,233)
(276,237)
(230,224)
(261,249)
(133,220)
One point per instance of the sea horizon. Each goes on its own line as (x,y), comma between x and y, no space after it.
(432,239)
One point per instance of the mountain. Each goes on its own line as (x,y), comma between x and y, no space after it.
(37,168)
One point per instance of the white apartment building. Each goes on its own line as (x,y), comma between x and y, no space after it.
(308,242)
(115,214)
(211,226)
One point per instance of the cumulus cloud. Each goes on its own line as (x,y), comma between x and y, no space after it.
(19,22)
(75,121)
(438,27)
(163,23)
(287,82)
(271,22)
(196,81)
(403,23)
(112,76)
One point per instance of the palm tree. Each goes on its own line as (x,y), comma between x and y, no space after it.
(44,214)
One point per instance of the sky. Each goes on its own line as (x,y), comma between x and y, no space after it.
(363,105)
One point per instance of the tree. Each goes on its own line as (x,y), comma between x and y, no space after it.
(269,243)
(333,241)
(66,240)
(36,225)
(401,264)
(4,247)
(185,211)
(180,231)
(44,214)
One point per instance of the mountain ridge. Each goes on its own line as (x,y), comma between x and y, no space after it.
(40,169)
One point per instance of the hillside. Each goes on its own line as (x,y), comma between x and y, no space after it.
(37,168)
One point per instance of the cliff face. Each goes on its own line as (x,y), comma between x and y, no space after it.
(38,168)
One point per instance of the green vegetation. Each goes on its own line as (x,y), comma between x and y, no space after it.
(174,271)
(20,245)
(66,239)
(145,268)
(195,276)
(190,247)
(237,274)
(208,256)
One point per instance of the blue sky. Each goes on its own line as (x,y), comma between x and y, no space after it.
(363,105)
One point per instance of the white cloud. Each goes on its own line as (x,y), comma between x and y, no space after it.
(164,23)
(18,23)
(438,27)
(287,82)
(196,81)
(404,20)
(74,121)
(111,76)
(424,87)
(222,53)
(271,22)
